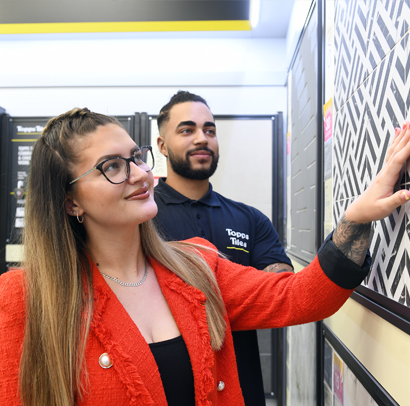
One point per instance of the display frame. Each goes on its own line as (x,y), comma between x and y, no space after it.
(373,387)
(388,309)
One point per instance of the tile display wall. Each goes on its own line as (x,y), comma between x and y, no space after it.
(371,98)
(301,237)
(341,386)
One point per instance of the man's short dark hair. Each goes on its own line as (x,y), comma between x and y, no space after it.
(178,98)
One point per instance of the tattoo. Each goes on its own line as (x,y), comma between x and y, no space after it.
(278,268)
(352,239)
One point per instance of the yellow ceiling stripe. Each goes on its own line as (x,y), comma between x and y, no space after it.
(129,26)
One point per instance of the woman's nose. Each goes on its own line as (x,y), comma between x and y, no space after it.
(137,174)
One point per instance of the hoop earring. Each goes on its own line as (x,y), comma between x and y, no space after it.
(80,219)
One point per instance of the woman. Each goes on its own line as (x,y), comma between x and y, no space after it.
(107,313)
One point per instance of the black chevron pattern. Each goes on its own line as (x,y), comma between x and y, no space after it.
(372,97)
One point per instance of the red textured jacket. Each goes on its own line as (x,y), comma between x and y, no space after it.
(253,300)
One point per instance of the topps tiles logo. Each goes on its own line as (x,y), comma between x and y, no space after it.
(237,238)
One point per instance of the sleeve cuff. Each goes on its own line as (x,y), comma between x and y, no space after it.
(338,268)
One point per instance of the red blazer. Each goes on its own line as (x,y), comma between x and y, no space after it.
(253,300)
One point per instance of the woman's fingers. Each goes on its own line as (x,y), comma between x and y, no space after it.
(391,203)
(397,132)
(399,136)
(380,200)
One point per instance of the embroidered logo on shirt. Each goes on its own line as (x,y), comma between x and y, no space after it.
(238,240)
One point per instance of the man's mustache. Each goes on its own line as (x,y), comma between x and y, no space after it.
(201,149)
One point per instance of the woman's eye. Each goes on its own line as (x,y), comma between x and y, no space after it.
(111,166)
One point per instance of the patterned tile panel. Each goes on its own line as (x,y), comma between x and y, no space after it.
(383,28)
(364,127)
(351,63)
(365,32)
(386,109)
(349,143)
(389,273)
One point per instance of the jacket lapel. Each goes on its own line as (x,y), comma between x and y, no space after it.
(187,305)
(130,353)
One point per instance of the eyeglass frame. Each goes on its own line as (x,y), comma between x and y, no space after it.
(127,162)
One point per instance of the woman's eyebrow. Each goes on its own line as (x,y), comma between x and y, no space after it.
(109,156)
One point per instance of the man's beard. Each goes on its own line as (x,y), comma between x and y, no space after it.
(182,167)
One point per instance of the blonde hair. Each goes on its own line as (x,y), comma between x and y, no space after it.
(58,275)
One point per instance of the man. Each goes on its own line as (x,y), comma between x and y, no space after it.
(188,207)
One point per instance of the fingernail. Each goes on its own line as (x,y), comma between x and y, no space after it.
(397,130)
(406,197)
(405,125)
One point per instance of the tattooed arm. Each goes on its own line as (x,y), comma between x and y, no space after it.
(352,239)
(279,267)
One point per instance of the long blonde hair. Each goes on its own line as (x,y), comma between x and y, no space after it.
(58,275)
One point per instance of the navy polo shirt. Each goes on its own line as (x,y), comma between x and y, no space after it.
(241,232)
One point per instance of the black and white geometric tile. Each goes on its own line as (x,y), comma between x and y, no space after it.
(365,32)
(373,97)
(387,22)
(351,64)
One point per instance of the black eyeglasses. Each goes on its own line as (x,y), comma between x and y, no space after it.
(117,170)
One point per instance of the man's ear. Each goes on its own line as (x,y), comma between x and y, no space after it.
(72,208)
(162,146)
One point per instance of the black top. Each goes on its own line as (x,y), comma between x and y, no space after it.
(175,368)
(241,232)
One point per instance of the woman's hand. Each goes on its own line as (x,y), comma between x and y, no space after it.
(352,233)
(379,199)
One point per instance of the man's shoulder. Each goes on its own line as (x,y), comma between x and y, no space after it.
(165,194)
(239,206)
(160,187)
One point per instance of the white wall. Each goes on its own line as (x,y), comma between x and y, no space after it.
(143,62)
(121,76)
(51,101)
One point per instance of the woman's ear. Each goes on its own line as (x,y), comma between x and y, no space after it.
(72,208)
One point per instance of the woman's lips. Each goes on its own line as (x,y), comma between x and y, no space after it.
(139,194)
